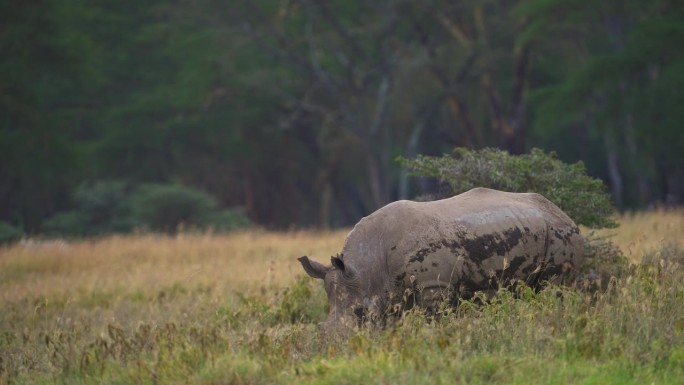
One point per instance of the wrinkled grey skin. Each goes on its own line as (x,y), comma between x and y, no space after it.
(421,253)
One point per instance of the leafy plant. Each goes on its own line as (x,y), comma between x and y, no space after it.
(228,219)
(166,207)
(304,301)
(71,223)
(9,233)
(106,207)
(582,197)
(101,208)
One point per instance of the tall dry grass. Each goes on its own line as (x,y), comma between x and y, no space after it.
(243,261)
(644,233)
(211,309)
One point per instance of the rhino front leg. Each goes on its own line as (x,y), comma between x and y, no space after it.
(435,295)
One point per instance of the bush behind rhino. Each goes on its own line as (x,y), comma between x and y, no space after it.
(9,233)
(109,206)
(99,207)
(568,186)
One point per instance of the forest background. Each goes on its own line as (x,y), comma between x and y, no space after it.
(295,111)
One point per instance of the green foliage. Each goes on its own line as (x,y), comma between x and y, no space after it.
(9,234)
(155,91)
(582,197)
(162,207)
(304,301)
(227,219)
(615,74)
(102,207)
(68,224)
(47,74)
(106,207)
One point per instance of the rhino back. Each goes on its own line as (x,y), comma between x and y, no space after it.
(469,242)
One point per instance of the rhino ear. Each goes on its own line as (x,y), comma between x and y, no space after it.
(339,264)
(313,268)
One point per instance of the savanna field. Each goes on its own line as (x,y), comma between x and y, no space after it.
(238,309)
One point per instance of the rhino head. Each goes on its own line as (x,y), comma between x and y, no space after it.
(342,286)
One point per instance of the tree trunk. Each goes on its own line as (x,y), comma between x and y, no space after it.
(378,147)
(516,115)
(675,188)
(375,182)
(616,29)
(325,204)
(636,165)
(616,184)
(249,196)
(411,152)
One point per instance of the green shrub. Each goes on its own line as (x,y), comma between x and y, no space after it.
(168,208)
(71,224)
(9,233)
(228,219)
(304,301)
(106,207)
(582,197)
(101,207)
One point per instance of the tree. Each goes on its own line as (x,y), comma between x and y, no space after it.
(582,197)
(610,86)
(385,75)
(47,74)
(295,109)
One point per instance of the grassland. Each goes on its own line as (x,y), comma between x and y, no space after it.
(236,309)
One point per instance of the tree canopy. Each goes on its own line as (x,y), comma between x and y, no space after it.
(567,185)
(296,110)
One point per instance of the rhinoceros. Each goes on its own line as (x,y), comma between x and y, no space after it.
(420,253)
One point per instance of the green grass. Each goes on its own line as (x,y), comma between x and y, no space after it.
(631,332)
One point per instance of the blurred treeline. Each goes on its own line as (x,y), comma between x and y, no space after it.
(296,110)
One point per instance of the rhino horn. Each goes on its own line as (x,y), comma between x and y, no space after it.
(313,268)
